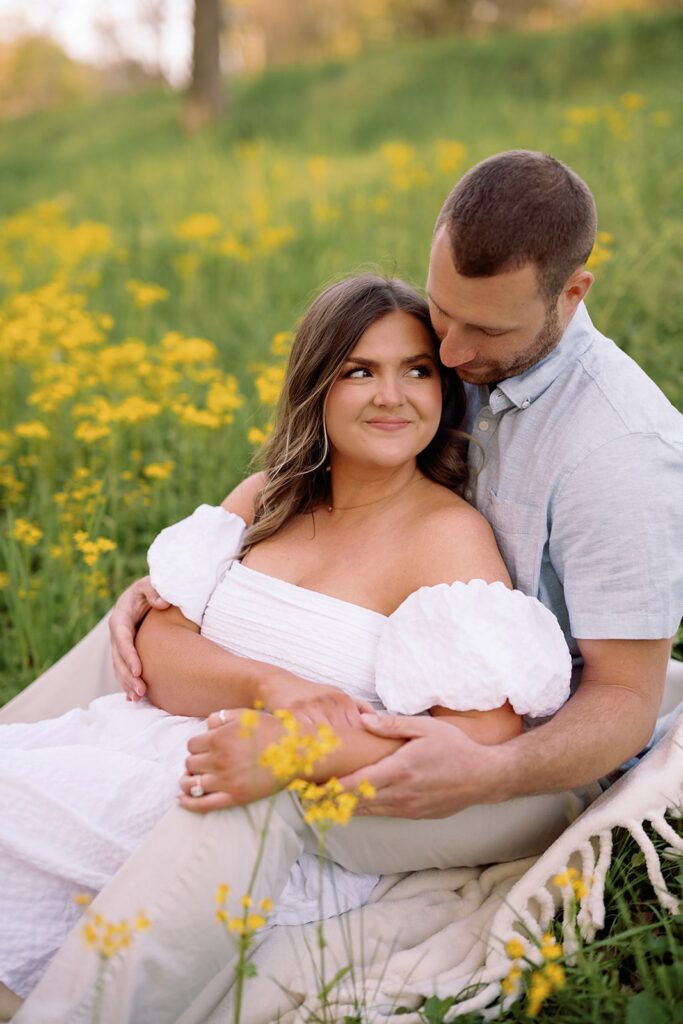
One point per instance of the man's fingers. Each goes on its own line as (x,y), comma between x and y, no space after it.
(196,764)
(396,726)
(134,686)
(199,743)
(378,775)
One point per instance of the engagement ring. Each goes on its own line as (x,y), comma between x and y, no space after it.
(197,788)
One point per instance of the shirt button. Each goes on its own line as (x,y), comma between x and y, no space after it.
(526,403)
(483,425)
(468,493)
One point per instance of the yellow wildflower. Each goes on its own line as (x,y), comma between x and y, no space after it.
(632,101)
(296,753)
(324,212)
(256,436)
(267,905)
(232,246)
(661,118)
(248,722)
(398,155)
(158,470)
(108,937)
(32,429)
(246,901)
(579,116)
(515,949)
(146,293)
(198,227)
(281,343)
(4,580)
(83,899)
(222,892)
(318,168)
(89,432)
(449,155)
(510,983)
(366,790)
(270,238)
(26,533)
(269,384)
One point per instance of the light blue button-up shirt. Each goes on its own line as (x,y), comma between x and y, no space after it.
(578,467)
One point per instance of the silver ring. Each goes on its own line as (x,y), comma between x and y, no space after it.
(197,788)
(223,717)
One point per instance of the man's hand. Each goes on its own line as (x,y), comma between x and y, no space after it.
(438,772)
(225,761)
(312,703)
(128,613)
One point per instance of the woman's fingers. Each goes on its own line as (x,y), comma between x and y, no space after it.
(223,717)
(204,804)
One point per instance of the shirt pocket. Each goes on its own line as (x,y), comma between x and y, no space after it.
(521,533)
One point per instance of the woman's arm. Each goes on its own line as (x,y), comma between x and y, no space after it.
(227,759)
(187,674)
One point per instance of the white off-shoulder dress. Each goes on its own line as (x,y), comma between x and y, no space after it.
(79,792)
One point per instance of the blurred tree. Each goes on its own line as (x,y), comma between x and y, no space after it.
(206,95)
(35,73)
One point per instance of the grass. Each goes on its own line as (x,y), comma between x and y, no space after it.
(318,170)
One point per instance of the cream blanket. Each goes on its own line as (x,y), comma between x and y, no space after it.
(430,932)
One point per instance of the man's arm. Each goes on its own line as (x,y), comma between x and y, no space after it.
(609,719)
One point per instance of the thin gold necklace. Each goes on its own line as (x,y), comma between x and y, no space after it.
(375,501)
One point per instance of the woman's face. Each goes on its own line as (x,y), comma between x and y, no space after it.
(385,406)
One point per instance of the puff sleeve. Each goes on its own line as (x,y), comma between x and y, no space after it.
(187,560)
(470,647)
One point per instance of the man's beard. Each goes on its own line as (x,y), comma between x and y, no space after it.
(495,372)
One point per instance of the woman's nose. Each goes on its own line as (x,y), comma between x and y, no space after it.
(388,392)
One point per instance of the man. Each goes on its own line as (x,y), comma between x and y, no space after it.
(576,463)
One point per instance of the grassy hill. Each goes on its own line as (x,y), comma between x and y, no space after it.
(149,282)
(318,170)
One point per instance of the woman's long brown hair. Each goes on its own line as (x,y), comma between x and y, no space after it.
(295,458)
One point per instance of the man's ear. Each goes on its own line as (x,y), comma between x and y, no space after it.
(574,291)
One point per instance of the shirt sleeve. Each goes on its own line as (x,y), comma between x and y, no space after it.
(187,560)
(472,647)
(617,523)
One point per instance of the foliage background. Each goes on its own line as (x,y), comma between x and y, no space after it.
(121,238)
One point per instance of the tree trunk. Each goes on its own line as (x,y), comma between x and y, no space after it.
(206,98)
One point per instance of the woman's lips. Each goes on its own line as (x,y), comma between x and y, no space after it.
(387,424)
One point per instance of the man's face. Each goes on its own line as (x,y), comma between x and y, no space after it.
(491,328)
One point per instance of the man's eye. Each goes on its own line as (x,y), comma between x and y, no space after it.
(492,334)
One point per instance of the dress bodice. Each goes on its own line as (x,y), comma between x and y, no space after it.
(315,636)
(466,646)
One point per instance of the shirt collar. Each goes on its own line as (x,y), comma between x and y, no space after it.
(524,389)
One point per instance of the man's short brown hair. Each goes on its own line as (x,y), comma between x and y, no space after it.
(516,208)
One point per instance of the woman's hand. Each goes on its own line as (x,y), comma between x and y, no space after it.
(224,762)
(127,614)
(311,703)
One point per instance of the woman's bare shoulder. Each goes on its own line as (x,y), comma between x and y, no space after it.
(241,500)
(452,541)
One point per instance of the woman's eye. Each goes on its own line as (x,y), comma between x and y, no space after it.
(356,374)
(420,371)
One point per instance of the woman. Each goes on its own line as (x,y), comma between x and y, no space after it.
(351,562)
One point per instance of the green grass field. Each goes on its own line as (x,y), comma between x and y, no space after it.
(148,284)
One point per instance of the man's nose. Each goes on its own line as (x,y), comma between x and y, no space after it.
(456,349)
